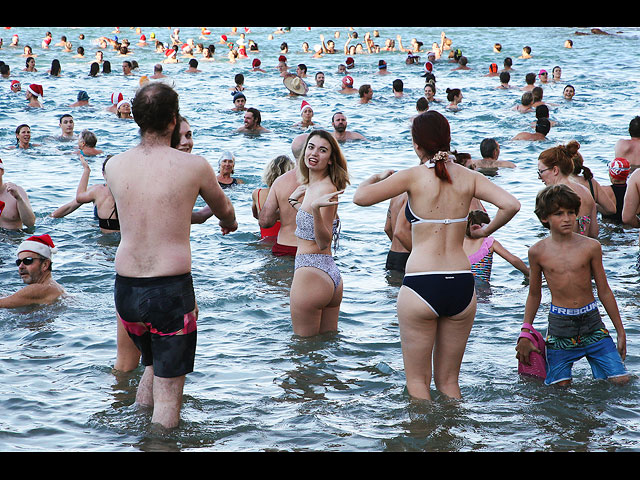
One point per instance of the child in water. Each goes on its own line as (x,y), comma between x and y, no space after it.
(569,261)
(480,250)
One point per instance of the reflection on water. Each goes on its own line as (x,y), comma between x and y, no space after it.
(256,386)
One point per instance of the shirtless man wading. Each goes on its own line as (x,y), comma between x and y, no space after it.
(155,187)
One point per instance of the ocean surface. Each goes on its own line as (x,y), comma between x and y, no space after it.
(257,387)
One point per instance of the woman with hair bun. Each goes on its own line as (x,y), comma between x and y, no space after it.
(583,175)
(437,301)
(556,165)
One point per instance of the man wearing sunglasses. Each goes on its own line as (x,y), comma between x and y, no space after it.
(34,268)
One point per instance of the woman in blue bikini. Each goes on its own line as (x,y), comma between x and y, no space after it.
(437,302)
(316,289)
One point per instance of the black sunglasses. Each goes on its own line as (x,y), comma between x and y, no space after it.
(26,260)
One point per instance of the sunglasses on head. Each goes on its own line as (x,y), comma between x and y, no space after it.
(26,260)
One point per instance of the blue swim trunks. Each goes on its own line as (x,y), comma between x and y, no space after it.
(575,333)
(602,355)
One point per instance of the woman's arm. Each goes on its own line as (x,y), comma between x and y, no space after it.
(82,194)
(323,218)
(507,204)
(379,187)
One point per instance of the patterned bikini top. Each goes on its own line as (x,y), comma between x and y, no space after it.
(305,230)
(482,260)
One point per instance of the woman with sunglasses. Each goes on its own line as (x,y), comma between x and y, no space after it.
(555,165)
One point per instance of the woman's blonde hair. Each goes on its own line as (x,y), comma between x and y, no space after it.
(337,168)
(275,168)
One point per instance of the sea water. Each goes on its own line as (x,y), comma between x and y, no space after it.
(256,386)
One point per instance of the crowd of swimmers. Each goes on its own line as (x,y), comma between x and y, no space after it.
(441,236)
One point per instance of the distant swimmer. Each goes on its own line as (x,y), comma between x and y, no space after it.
(365,92)
(568,92)
(306,116)
(347,85)
(34,259)
(252,122)
(454,95)
(87,142)
(23,137)
(340,132)
(33,94)
(239,102)
(490,151)
(526,53)
(15,208)
(67,126)
(153,259)
(226,169)
(543,125)
(505,78)
(526,102)
(295,85)
(530,81)
(630,148)
(82,100)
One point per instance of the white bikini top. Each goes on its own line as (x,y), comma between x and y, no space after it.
(413,218)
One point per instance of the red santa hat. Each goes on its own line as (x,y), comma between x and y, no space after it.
(304,106)
(116,97)
(14,83)
(35,89)
(40,244)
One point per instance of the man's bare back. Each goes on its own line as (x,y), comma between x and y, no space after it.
(155,188)
(629,149)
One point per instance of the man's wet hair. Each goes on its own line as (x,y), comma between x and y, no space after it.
(154,106)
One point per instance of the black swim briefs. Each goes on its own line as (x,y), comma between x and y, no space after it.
(159,315)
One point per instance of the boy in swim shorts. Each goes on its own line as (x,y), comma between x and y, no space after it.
(569,261)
